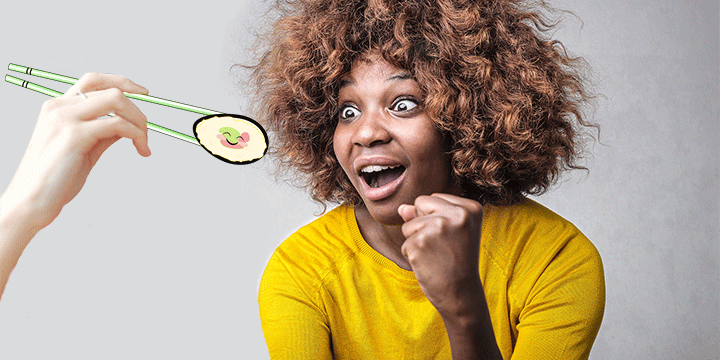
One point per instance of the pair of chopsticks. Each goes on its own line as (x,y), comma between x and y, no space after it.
(70,80)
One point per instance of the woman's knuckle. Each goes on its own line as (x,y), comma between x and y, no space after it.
(421,200)
(116,93)
(90,77)
(479,212)
(405,249)
(462,215)
(49,105)
(422,241)
(117,121)
(56,115)
(116,96)
(438,222)
(474,207)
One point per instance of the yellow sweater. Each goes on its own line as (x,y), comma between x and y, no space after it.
(326,293)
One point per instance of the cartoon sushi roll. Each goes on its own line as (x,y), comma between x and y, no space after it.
(235,139)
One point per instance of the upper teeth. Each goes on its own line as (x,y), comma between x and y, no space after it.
(376,168)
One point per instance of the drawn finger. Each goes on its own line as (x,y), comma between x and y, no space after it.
(104,102)
(97,81)
(106,128)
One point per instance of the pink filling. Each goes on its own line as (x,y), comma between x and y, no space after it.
(242,141)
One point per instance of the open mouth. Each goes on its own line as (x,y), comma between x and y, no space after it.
(378,176)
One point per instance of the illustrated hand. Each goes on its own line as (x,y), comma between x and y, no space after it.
(442,247)
(69,138)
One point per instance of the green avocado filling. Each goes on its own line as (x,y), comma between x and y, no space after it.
(231,135)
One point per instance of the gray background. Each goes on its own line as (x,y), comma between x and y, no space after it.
(161,257)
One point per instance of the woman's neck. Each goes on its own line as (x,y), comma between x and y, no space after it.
(385,239)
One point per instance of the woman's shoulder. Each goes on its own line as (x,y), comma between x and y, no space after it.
(329,234)
(530,232)
(528,219)
(317,248)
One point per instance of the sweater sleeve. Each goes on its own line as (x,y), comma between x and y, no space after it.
(565,307)
(294,326)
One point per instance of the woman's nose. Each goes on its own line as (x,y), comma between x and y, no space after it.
(371,129)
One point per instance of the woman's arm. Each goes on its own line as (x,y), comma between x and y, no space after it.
(293,324)
(443,247)
(565,305)
(69,138)
(564,308)
(16,232)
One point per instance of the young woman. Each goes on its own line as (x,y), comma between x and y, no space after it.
(427,121)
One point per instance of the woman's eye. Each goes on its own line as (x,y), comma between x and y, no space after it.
(348,112)
(404,105)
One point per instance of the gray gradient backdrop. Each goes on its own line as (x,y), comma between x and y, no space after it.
(161,257)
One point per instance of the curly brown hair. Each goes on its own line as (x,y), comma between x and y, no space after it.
(507,99)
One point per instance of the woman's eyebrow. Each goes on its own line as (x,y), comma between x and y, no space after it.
(345,82)
(399,77)
(396,77)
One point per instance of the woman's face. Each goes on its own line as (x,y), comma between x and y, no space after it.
(384,141)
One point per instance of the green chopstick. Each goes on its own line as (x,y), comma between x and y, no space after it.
(70,80)
(150,99)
